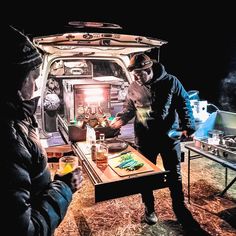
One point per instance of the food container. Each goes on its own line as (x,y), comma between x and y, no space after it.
(215,137)
(76,133)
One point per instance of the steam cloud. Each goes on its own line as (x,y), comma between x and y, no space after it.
(227,98)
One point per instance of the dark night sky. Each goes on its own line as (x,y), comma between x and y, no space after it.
(201,48)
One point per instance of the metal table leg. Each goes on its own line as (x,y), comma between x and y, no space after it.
(226,176)
(189,176)
(197,156)
(227,187)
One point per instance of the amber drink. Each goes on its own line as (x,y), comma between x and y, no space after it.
(102,153)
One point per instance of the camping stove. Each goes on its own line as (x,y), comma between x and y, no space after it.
(217,135)
(220,150)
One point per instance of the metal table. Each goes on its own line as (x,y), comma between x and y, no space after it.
(199,153)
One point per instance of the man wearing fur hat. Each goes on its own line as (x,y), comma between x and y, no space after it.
(158,101)
(35,204)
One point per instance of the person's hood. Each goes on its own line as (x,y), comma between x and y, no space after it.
(159,73)
(18,109)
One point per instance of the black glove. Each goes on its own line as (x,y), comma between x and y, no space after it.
(73,179)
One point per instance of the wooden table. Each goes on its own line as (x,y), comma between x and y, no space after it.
(108,184)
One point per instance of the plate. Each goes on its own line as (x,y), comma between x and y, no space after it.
(115,145)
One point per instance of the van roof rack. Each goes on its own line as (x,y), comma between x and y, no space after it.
(89,24)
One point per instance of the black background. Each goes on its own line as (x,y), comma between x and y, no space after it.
(201,49)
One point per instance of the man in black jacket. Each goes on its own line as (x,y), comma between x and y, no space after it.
(34,203)
(159,103)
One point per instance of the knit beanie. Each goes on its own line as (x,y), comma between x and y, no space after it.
(22,57)
(21,50)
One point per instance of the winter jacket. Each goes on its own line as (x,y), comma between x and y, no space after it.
(34,204)
(158,107)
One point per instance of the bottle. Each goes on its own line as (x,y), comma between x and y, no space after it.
(102,153)
(106,123)
(90,135)
(85,122)
(93,150)
(101,138)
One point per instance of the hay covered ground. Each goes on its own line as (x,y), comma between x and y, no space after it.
(122,216)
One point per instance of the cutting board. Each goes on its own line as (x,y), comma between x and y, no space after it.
(122,172)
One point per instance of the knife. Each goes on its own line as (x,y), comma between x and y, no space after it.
(118,154)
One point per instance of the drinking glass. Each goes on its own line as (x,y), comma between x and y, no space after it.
(68,164)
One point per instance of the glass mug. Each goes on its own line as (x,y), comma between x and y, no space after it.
(68,164)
